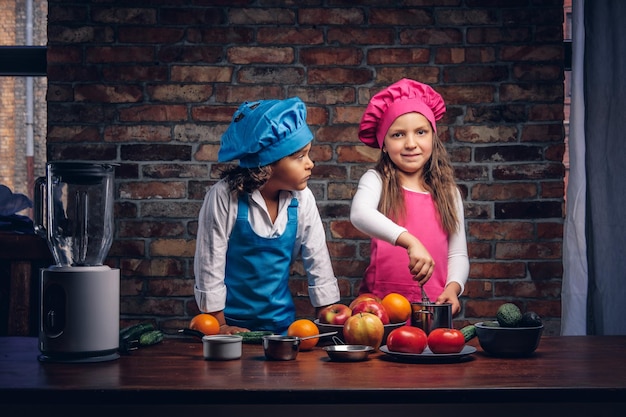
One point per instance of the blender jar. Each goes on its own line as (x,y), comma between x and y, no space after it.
(76,199)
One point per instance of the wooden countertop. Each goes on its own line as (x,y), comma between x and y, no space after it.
(584,374)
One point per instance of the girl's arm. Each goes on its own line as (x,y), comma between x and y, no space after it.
(366,217)
(364,213)
(458,262)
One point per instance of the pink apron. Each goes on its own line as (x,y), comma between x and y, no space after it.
(388,270)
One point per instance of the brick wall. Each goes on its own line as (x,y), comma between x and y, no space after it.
(152,85)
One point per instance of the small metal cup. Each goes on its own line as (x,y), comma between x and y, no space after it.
(281,348)
(430,316)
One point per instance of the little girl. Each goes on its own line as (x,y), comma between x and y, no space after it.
(409,203)
(257,219)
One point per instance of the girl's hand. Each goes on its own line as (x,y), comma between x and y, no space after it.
(421,264)
(450,295)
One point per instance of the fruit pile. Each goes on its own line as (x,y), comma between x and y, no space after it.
(363,320)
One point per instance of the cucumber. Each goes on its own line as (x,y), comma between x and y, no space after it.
(129,336)
(151,337)
(469,332)
(253,337)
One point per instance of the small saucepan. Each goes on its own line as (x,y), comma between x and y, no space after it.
(285,348)
(429,316)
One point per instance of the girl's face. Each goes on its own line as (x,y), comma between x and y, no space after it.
(291,172)
(409,143)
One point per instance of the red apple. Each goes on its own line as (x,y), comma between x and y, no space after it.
(335,314)
(374,307)
(364,329)
(364,297)
(407,339)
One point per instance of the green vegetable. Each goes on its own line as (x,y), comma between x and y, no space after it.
(253,337)
(151,337)
(129,336)
(491,323)
(509,315)
(469,332)
(530,319)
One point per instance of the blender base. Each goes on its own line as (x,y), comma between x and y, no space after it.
(77,358)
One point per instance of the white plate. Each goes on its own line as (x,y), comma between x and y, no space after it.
(428,356)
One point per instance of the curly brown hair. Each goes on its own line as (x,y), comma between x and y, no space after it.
(246,180)
(439,181)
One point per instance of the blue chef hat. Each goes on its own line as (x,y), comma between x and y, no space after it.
(262,132)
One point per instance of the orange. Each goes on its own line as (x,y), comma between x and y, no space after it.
(398,307)
(205,323)
(304,328)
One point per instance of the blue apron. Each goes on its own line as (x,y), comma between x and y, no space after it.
(257,274)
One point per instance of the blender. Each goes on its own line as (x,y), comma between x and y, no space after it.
(79,295)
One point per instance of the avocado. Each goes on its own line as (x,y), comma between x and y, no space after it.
(530,319)
(509,315)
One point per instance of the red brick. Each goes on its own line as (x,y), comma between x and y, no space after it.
(137,133)
(431,36)
(386,56)
(330,56)
(358,153)
(331,16)
(546,250)
(271,16)
(295,36)
(260,55)
(119,54)
(499,231)
(154,113)
(401,17)
(358,36)
(152,189)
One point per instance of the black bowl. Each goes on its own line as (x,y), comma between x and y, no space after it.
(508,341)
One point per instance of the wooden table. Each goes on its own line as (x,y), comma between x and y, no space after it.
(567,376)
(21,256)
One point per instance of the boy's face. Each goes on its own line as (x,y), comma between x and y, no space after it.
(409,142)
(293,171)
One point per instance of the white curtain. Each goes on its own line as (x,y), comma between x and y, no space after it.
(574,292)
(594,280)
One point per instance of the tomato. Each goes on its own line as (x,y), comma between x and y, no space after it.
(407,339)
(446,340)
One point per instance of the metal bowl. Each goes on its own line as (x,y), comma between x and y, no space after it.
(281,348)
(348,353)
(508,341)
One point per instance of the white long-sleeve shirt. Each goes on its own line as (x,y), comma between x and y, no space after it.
(216,220)
(366,217)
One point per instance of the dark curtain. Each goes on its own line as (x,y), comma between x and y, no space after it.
(605,160)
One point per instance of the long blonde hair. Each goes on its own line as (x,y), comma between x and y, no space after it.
(438,178)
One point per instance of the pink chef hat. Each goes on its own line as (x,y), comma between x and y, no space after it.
(405,96)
